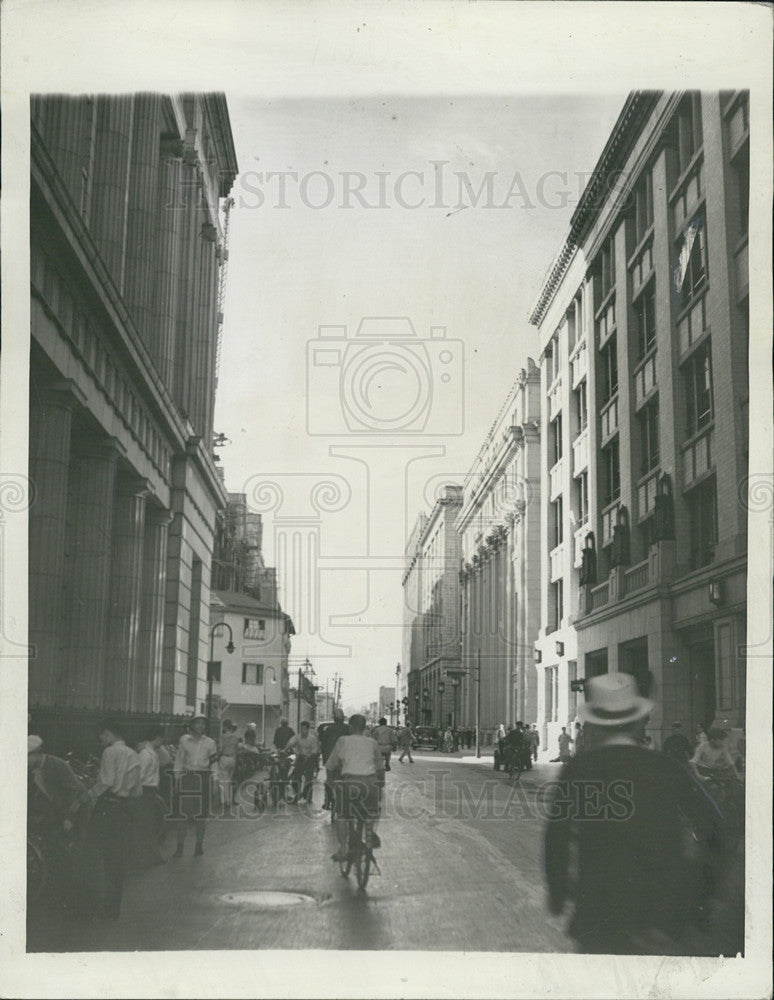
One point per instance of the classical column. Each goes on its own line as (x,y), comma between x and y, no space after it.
(125,593)
(151,639)
(50,424)
(111,182)
(168,222)
(63,137)
(87,577)
(205,389)
(142,214)
(186,327)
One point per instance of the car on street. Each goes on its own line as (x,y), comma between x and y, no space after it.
(425,737)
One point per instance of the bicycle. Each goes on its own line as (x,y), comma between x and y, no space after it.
(513,763)
(359,853)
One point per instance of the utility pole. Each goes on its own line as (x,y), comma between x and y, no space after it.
(478,703)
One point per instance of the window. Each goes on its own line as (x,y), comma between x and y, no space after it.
(255,628)
(252,673)
(689,134)
(608,358)
(557,522)
(581,486)
(611,473)
(648,420)
(606,269)
(702,512)
(645,315)
(691,268)
(214,670)
(580,405)
(643,205)
(741,173)
(698,388)
(555,440)
(557,602)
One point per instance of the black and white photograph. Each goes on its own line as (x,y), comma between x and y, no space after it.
(387,502)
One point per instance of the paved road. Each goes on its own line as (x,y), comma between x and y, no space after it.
(460,871)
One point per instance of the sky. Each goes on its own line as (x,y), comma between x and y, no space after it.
(436,218)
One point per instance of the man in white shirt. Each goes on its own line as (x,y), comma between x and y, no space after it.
(151,808)
(118,785)
(196,755)
(306,747)
(359,764)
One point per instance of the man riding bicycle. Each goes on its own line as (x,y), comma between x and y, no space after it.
(515,747)
(359,768)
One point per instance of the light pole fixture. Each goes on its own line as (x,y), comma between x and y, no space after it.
(538,656)
(263,712)
(210,665)
(715,592)
(559,648)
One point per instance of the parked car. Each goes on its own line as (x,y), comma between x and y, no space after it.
(425,736)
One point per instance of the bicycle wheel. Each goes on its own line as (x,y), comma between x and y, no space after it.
(37,871)
(345,867)
(362,856)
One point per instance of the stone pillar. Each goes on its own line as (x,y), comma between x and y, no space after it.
(142,215)
(168,221)
(63,136)
(125,593)
(89,550)
(50,424)
(187,313)
(151,640)
(205,390)
(111,182)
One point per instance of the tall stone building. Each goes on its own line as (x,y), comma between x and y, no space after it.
(499,524)
(125,248)
(432,600)
(644,330)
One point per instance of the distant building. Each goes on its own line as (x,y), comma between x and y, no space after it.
(644,334)
(386,699)
(125,249)
(431,589)
(499,524)
(256,672)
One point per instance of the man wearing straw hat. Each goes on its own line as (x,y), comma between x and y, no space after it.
(634,890)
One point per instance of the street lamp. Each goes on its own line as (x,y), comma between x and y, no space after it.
(416,709)
(397,694)
(210,665)
(263,712)
(441,689)
(455,688)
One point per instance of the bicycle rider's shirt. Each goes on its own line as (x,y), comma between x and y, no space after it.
(713,758)
(304,746)
(357,757)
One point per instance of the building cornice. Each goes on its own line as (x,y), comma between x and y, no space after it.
(638,106)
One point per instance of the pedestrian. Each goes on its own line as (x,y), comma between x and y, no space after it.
(228,749)
(328,737)
(677,744)
(534,737)
(405,738)
(118,786)
(565,741)
(700,735)
(150,813)
(358,764)
(283,734)
(448,740)
(385,738)
(578,741)
(307,749)
(634,890)
(250,737)
(196,755)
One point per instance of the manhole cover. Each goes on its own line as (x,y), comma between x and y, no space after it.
(263,899)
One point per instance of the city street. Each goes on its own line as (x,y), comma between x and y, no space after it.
(454,875)
(460,871)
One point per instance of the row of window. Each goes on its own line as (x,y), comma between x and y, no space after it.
(252,673)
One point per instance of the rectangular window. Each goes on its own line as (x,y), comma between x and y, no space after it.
(557,518)
(702,512)
(555,441)
(648,420)
(214,670)
(581,407)
(252,673)
(645,316)
(689,133)
(608,357)
(606,269)
(611,486)
(581,486)
(691,267)
(697,373)
(255,628)
(643,205)
(557,595)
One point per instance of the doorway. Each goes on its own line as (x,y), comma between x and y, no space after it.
(702,686)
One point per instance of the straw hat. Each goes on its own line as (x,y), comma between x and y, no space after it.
(612,700)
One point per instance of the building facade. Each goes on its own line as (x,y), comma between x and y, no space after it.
(250,684)
(431,588)
(499,527)
(644,330)
(125,248)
